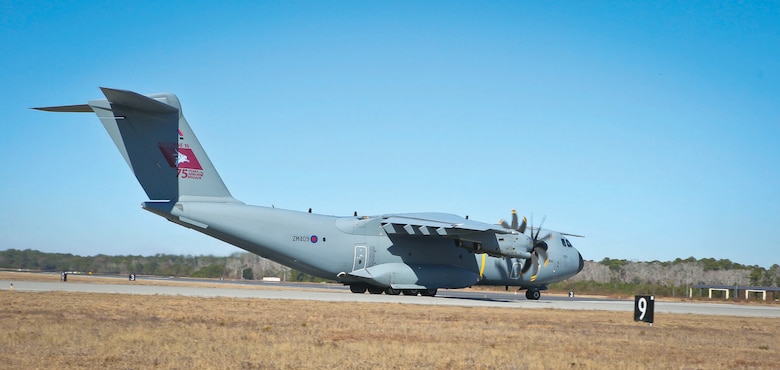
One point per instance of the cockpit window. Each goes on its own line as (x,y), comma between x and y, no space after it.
(566,242)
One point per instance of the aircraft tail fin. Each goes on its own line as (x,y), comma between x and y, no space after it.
(158,144)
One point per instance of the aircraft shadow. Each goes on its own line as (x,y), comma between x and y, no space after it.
(483,299)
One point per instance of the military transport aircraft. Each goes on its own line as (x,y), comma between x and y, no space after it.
(413,253)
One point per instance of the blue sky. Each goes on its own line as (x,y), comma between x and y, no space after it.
(651,128)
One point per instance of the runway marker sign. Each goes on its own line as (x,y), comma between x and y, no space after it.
(644,306)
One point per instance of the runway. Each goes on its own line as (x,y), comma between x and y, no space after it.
(337,293)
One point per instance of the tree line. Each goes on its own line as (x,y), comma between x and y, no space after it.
(236,266)
(244,265)
(666,279)
(680,272)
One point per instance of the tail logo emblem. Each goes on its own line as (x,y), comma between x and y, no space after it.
(183,159)
(180,158)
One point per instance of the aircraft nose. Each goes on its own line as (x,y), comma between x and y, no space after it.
(582,263)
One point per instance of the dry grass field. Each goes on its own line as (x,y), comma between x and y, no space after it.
(81,330)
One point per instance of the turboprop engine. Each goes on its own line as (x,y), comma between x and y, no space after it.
(514,245)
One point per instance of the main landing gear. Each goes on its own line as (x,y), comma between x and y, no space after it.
(358,288)
(533,294)
(362,288)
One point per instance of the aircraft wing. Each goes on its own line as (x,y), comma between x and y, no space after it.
(474,236)
(436,224)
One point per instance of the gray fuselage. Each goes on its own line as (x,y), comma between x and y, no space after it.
(330,247)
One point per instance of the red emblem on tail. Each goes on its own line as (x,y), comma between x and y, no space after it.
(180,157)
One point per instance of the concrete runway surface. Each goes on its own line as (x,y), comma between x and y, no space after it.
(337,293)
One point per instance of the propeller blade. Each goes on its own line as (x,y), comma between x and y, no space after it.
(523,226)
(528,263)
(503,223)
(514,220)
(535,266)
(526,266)
(540,248)
(539,229)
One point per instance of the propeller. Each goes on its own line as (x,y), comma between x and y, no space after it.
(538,251)
(514,226)
(539,246)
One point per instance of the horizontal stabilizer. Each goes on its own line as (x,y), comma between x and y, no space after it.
(137,101)
(79,108)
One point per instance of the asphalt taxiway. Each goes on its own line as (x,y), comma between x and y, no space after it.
(337,293)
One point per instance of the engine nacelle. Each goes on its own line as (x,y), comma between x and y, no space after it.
(502,245)
(514,245)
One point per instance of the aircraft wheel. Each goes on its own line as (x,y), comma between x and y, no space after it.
(429,292)
(375,289)
(410,292)
(533,294)
(357,288)
(391,291)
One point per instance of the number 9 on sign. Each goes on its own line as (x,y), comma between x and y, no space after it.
(643,308)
